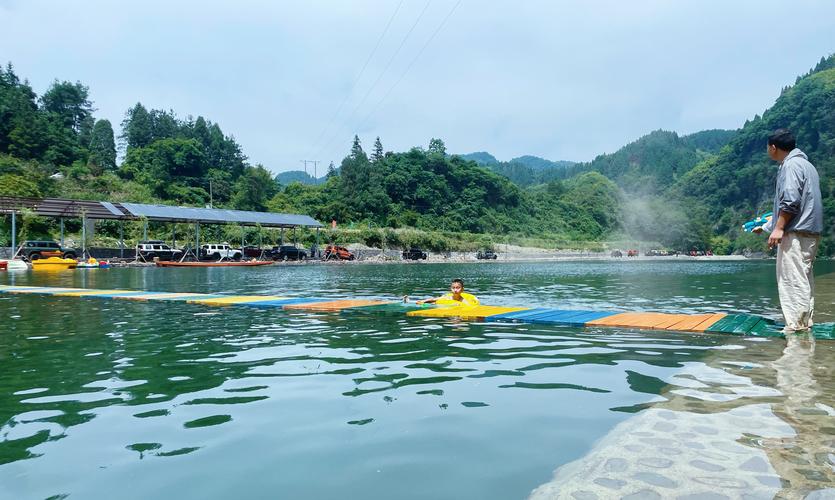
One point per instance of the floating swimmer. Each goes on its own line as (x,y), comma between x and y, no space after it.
(456,297)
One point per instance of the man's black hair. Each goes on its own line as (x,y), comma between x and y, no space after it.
(459,280)
(782,139)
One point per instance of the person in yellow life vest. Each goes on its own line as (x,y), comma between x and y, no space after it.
(455,297)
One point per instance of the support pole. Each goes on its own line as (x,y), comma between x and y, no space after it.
(197,241)
(121,239)
(62,232)
(282,237)
(294,237)
(83,236)
(317,242)
(174,235)
(243,232)
(145,231)
(14,233)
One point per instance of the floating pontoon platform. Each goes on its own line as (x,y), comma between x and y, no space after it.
(734,324)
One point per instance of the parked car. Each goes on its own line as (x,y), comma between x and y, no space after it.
(42,249)
(218,251)
(151,249)
(252,251)
(337,252)
(486,254)
(617,253)
(414,253)
(287,252)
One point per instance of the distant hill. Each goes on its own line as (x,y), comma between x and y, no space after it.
(537,163)
(710,140)
(652,163)
(480,157)
(523,171)
(285,178)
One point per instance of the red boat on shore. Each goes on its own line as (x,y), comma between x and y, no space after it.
(214,264)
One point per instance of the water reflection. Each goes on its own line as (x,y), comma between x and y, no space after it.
(752,421)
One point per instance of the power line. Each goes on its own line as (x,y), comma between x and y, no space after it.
(357,79)
(409,67)
(388,64)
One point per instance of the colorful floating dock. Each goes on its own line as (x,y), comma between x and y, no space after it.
(734,324)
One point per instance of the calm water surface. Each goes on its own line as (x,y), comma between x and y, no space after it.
(121,399)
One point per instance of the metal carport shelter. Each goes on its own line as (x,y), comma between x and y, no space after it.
(103,210)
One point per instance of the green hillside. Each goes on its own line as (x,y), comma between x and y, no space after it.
(523,171)
(739,182)
(480,157)
(649,164)
(300,176)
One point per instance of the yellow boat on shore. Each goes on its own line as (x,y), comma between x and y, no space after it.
(54,264)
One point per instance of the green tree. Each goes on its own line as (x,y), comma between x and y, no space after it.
(102,146)
(254,189)
(378,154)
(69,102)
(167,162)
(356,150)
(137,129)
(16,185)
(437,146)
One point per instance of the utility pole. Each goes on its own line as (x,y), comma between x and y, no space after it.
(314,162)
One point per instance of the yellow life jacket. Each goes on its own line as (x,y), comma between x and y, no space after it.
(467,299)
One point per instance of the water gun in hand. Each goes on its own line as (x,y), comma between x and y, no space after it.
(758,223)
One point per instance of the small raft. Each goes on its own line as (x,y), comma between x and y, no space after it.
(214,264)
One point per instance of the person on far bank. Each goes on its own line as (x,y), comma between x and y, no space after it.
(795,229)
(457,296)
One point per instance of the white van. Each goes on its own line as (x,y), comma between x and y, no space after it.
(219,251)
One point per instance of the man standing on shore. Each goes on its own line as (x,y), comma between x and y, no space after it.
(795,229)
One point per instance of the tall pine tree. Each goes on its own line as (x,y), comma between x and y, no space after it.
(137,128)
(102,146)
(378,154)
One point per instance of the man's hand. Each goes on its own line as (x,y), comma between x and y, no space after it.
(775,238)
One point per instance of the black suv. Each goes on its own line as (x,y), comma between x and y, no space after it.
(414,254)
(151,249)
(287,252)
(486,254)
(34,250)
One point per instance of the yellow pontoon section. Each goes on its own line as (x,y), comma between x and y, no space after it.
(464,311)
(234,300)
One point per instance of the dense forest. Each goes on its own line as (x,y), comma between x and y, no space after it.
(681,192)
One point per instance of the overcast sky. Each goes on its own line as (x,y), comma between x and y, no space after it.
(556,79)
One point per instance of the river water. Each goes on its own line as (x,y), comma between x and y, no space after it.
(109,399)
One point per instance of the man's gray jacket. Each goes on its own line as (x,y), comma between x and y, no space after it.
(798,193)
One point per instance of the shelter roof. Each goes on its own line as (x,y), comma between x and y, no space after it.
(58,207)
